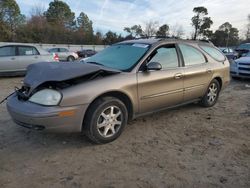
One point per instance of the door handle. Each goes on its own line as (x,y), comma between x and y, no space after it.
(36,57)
(209,71)
(12,58)
(178,76)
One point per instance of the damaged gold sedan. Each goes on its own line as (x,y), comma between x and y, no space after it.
(124,81)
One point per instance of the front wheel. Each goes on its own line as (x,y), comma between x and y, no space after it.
(105,120)
(211,95)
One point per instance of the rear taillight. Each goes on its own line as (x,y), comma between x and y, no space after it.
(56,57)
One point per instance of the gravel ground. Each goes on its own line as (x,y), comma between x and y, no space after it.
(189,146)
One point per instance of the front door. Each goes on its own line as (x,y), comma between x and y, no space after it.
(8,60)
(161,88)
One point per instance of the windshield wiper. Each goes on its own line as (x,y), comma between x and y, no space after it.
(96,63)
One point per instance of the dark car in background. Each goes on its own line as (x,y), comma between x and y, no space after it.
(230,53)
(241,67)
(86,53)
(243,49)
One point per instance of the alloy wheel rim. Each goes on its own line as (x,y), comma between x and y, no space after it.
(109,121)
(212,93)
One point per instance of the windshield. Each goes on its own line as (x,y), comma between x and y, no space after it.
(221,49)
(120,56)
(244,46)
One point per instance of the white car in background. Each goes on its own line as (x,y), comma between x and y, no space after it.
(241,67)
(64,54)
(15,58)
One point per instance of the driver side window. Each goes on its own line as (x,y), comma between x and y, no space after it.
(166,56)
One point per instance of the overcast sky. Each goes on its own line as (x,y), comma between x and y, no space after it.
(116,14)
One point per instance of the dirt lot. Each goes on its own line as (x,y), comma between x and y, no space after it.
(186,147)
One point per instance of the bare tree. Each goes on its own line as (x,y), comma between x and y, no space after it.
(151,28)
(37,10)
(177,31)
(248,28)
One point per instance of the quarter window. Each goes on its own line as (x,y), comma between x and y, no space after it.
(7,51)
(166,56)
(191,55)
(27,50)
(213,52)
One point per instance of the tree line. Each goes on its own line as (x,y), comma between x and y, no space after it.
(58,24)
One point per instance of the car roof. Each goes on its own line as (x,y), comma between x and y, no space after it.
(58,48)
(16,44)
(151,41)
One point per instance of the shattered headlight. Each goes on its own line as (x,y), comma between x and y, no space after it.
(48,97)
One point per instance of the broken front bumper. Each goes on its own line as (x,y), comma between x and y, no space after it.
(51,118)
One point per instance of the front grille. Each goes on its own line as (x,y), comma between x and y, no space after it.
(244,74)
(244,68)
(244,63)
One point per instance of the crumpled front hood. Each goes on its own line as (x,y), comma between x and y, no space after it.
(40,73)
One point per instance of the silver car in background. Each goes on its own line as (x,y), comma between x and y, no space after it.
(64,54)
(15,58)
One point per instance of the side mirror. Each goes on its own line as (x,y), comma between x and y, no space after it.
(153,66)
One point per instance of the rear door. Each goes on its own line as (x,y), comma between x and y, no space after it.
(8,60)
(63,53)
(161,88)
(197,72)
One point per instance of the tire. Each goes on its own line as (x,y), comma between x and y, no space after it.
(211,96)
(111,114)
(70,58)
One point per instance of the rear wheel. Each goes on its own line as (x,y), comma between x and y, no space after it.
(105,120)
(71,58)
(211,95)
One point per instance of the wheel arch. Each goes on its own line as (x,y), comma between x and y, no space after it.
(219,79)
(119,95)
(70,57)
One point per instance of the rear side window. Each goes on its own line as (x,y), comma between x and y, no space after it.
(214,53)
(7,51)
(27,50)
(53,50)
(166,56)
(191,55)
(64,50)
